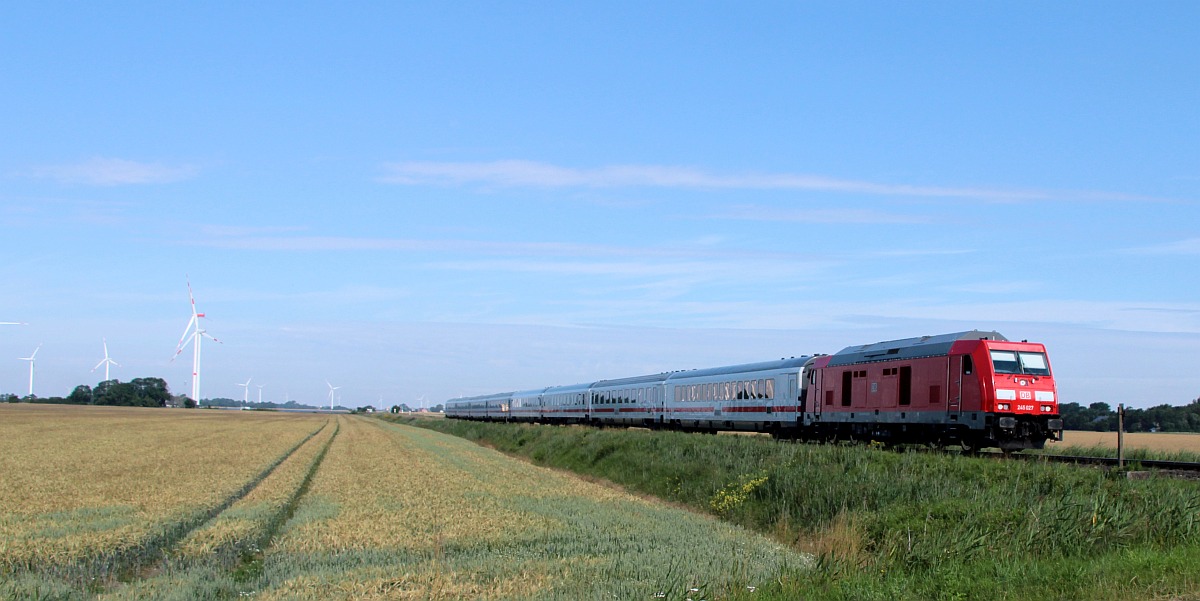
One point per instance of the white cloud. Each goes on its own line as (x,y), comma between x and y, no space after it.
(115,172)
(518,173)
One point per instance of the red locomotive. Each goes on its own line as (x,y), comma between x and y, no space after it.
(971,389)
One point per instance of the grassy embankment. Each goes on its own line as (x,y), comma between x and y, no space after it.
(893,525)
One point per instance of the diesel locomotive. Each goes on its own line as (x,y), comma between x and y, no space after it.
(967,389)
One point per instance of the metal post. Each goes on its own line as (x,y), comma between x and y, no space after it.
(1121,435)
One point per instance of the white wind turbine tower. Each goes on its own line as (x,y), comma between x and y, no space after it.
(331,389)
(260,386)
(107,361)
(197,333)
(31,359)
(246,392)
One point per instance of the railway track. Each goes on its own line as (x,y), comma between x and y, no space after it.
(1182,469)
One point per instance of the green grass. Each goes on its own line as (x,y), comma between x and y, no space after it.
(896,525)
(1131,454)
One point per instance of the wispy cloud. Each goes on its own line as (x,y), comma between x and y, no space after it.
(115,172)
(229,238)
(822,216)
(519,173)
(249,230)
(1191,246)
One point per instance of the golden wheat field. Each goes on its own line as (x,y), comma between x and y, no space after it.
(81,482)
(1155,441)
(117,503)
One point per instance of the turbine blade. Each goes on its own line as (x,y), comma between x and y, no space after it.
(183,343)
(182,337)
(191,296)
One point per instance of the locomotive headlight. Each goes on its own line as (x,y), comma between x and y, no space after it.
(1047,408)
(1003,406)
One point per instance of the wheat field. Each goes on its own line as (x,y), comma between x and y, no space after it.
(117,503)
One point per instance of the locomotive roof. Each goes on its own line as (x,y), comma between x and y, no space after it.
(908,348)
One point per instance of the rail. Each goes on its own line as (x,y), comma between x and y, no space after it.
(1178,467)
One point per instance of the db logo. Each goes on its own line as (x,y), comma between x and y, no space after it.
(1026,395)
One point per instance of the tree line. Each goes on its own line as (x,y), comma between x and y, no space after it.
(141,392)
(1101,417)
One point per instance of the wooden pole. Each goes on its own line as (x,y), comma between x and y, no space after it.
(1121,435)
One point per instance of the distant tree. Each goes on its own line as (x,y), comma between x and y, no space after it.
(82,395)
(150,392)
(437,408)
(9,398)
(114,392)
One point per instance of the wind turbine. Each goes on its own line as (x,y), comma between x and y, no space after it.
(197,333)
(246,392)
(31,359)
(260,386)
(106,362)
(331,389)
(13,323)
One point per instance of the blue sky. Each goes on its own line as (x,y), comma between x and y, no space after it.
(417,201)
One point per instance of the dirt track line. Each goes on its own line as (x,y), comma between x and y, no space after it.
(133,562)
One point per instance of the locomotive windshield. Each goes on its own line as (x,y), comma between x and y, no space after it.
(1020,362)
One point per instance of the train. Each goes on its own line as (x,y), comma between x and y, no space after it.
(969,390)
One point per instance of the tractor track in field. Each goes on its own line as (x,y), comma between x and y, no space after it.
(250,564)
(152,553)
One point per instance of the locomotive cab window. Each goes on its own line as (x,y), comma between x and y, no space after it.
(1013,362)
(1034,364)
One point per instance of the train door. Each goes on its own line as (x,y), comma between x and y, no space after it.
(657,394)
(810,390)
(962,385)
(794,392)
